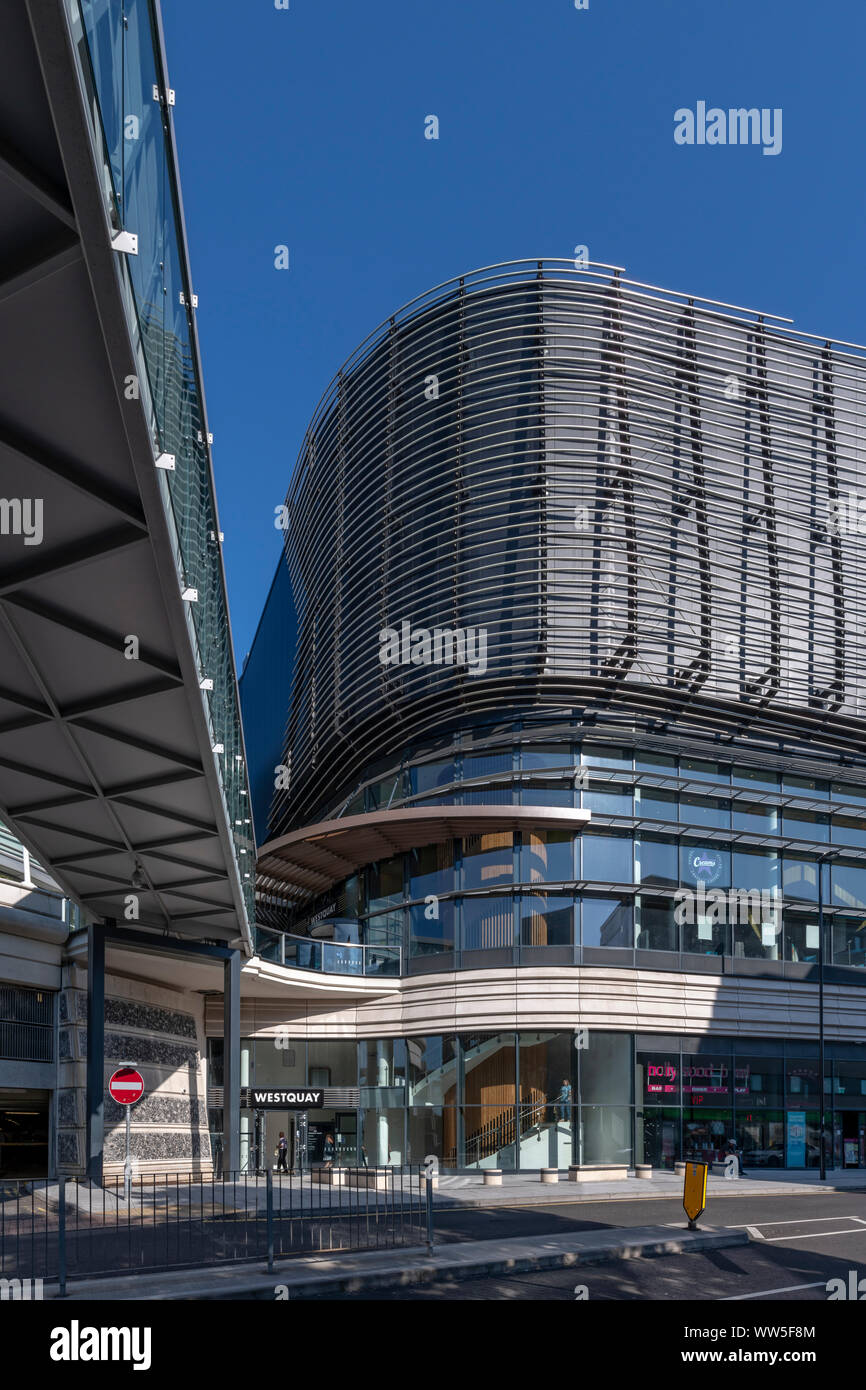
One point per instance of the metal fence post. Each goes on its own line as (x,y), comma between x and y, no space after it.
(61,1236)
(428,1187)
(269,1189)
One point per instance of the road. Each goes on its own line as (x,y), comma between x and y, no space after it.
(799,1243)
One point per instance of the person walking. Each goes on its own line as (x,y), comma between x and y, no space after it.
(282,1153)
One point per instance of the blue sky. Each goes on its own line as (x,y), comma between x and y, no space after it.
(306,128)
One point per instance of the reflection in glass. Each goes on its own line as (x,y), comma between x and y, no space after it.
(608,922)
(431,927)
(488,923)
(487,859)
(546,920)
(547,856)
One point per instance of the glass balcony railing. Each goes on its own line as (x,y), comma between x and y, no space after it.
(119,52)
(327,957)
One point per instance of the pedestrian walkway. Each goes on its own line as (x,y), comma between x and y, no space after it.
(337,1274)
(525,1189)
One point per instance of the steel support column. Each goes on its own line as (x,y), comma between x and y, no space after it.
(95,1050)
(232,1063)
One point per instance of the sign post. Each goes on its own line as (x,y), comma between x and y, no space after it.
(695,1192)
(126,1086)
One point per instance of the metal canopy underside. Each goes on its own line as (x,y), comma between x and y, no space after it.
(105,763)
(314,858)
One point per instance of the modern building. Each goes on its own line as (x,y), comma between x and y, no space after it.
(567,797)
(126,881)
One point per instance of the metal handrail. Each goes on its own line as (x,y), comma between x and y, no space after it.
(331,957)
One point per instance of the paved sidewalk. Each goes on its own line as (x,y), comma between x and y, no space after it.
(468,1190)
(333,1275)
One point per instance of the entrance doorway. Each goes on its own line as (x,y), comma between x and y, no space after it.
(24,1134)
(850,1139)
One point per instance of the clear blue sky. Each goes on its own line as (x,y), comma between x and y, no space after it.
(306,128)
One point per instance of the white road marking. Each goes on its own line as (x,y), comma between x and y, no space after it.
(766,1293)
(754,1233)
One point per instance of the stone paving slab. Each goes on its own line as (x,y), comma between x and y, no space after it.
(337,1274)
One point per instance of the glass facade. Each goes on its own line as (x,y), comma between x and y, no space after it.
(533,1100)
(662,876)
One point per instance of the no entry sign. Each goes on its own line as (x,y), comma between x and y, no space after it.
(126,1086)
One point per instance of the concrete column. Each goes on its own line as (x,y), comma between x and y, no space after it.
(232,1063)
(95,1095)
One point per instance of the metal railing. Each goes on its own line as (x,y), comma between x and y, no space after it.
(329,957)
(70,1228)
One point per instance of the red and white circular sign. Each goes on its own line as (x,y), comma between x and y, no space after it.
(126,1086)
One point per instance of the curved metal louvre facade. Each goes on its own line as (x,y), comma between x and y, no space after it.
(629,495)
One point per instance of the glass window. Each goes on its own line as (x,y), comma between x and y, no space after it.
(333,1062)
(432,1064)
(706,1132)
(382,1062)
(600,755)
(849,940)
(486,764)
(704,923)
(384,930)
(385,883)
(700,769)
(849,830)
(537,791)
(381,795)
(849,792)
(426,777)
(757,927)
(760,1136)
(606,800)
(279,1061)
(707,864)
(706,1075)
(655,861)
(546,920)
(800,879)
(547,856)
(656,927)
(606,1068)
(431,870)
(433,1130)
(607,858)
(806,825)
(488,923)
(605,1134)
(655,762)
(489,1136)
(548,1083)
(431,927)
(488,859)
(552,755)
(705,810)
(608,922)
(657,1078)
(756,817)
(850,1081)
(383,1138)
(801,1079)
(755,777)
(489,1068)
(757,870)
(657,1137)
(655,804)
(758,1083)
(805,786)
(801,937)
(848,885)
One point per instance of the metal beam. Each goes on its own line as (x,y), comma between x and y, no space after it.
(103,636)
(34,184)
(71,557)
(71,472)
(38,266)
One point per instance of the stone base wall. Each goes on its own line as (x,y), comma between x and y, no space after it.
(160,1032)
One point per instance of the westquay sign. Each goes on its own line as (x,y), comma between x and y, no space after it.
(286,1100)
